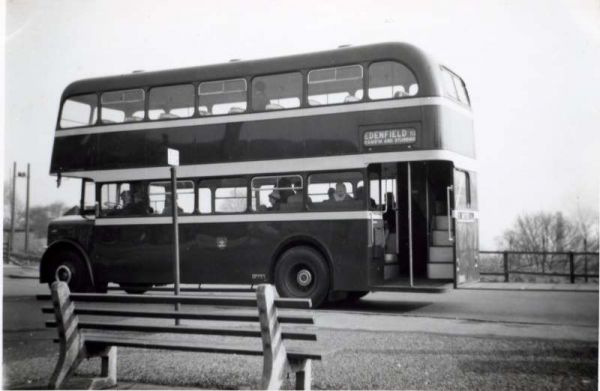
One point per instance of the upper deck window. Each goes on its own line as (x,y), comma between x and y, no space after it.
(122,106)
(390,79)
(222,97)
(81,110)
(171,102)
(276,92)
(335,85)
(454,87)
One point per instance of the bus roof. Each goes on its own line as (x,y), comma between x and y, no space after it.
(416,59)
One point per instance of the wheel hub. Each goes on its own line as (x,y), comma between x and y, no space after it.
(63,273)
(304,278)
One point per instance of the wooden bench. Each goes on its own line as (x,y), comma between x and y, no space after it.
(83,339)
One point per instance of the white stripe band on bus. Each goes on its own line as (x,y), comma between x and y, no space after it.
(291,113)
(343,162)
(241,218)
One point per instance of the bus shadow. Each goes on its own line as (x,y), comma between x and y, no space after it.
(376,306)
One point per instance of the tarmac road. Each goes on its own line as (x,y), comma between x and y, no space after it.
(461,339)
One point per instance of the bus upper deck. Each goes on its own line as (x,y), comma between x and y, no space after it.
(345,104)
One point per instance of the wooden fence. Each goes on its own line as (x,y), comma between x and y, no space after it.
(568,264)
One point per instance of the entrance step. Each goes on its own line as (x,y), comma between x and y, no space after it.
(440,223)
(440,270)
(441,254)
(440,238)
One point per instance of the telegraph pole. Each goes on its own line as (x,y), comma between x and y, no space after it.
(173,161)
(27,211)
(12,212)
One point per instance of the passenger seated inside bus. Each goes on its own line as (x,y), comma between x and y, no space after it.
(293,201)
(132,203)
(360,195)
(167,115)
(340,193)
(389,217)
(330,194)
(351,98)
(169,205)
(235,110)
(275,200)
(133,118)
(260,100)
(400,92)
(273,106)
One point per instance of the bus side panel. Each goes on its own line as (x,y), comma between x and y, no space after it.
(455,129)
(133,253)
(232,253)
(286,138)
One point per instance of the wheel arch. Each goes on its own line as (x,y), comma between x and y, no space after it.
(63,245)
(296,241)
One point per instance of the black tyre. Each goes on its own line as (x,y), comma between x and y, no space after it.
(70,268)
(135,289)
(356,295)
(302,272)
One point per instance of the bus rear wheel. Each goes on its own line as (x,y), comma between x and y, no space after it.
(69,268)
(301,272)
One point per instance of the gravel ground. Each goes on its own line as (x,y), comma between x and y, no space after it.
(352,360)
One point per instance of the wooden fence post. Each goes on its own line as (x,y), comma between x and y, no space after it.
(572,267)
(505,256)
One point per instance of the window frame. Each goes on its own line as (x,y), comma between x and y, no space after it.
(252,189)
(145,106)
(179,180)
(368,79)
(467,188)
(62,107)
(213,192)
(461,84)
(303,96)
(363,77)
(197,96)
(149,94)
(363,172)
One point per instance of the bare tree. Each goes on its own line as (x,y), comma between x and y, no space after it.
(550,232)
(40,216)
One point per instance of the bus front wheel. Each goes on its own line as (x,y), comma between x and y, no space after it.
(301,272)
(69,268)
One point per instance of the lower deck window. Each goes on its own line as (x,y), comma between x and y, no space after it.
(227,195)
(277,194)
(124,199)
(333,191)
(161,197)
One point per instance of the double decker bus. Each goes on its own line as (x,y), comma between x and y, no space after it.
(329,174)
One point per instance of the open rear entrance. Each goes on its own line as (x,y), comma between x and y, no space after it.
(421,229)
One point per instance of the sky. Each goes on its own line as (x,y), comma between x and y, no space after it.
(531,67)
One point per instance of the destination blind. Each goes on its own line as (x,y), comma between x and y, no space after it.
(394,136)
